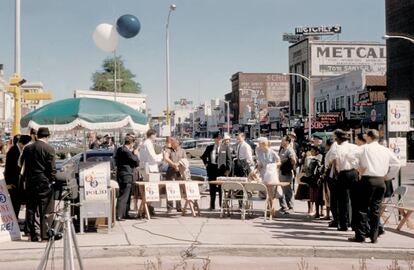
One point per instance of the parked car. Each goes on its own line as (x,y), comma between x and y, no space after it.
(70,167)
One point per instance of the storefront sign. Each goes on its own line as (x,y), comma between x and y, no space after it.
(291,38)
(315,125)
(318,30)
(9,228)
(95,180)
(173,191)
(192,191)
(337,59)
(152,192)
(398,115)
(399,147)
(329,118)
(356,115)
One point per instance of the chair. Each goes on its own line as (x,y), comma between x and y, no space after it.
(257,187)
(393,202)
(229,189)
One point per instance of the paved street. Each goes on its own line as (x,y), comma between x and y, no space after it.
(258,242)
(407,173)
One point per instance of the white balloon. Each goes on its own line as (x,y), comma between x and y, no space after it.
(105,37)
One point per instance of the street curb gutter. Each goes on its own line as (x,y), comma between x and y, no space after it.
(11,255)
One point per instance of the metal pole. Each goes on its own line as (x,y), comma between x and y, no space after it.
(17,40)
(228,117)
(167,59)
(310,105)
(115,86)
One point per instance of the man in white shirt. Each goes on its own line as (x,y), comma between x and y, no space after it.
(377,164)
(243,163)
(148,157)
(346,164)
(147,152)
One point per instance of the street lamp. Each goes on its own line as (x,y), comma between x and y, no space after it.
(167,54)
(228,116)
(398,36)
(307,79)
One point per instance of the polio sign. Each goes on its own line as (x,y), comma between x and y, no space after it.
(9,228)
(95,179)
(398,115)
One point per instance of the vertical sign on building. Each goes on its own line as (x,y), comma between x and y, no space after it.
(398,115)
(399,147)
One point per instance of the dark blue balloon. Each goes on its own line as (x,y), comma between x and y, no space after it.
(128,26)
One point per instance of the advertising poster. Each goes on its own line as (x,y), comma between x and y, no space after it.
(95,178)
(9,228)
(336,59)
(399,147)
(173,191)
(152,192)
(192,191)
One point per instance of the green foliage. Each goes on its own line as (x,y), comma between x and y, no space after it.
(103,79)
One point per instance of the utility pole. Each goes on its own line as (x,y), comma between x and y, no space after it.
(16,81)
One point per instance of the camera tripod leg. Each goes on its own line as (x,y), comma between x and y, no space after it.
(43,262)
(76,246)
(68,252)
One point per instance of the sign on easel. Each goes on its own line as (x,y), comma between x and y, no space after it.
(95,198)
(192,191)
(173,191)
(9,227)
(152,192)
(95,179)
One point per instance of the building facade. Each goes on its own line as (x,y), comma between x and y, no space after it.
(351,101)
(136,101)
(400,57)
(253,93)
(318,60)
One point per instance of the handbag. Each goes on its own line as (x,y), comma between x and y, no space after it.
(302,193)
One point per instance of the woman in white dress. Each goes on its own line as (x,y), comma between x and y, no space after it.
(268,162)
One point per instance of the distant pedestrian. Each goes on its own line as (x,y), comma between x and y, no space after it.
(288,161)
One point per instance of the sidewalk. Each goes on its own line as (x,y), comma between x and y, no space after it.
(294,235)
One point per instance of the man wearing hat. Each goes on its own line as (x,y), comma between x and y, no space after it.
(217,159)
(39,170)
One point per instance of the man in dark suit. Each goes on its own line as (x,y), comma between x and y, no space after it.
(12,174)
(217,159)
(126,161)
(38,165)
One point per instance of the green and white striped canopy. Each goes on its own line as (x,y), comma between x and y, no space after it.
(87,113)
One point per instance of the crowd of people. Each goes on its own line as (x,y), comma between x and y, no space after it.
(341,181)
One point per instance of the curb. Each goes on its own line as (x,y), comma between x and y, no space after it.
(217,250)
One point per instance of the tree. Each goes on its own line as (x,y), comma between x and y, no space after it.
(104,80)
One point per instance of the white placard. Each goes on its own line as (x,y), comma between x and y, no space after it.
(95,178)
(398,115)
(192,191)
(173,191)
(9,227)
(399,147)
(152,192)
